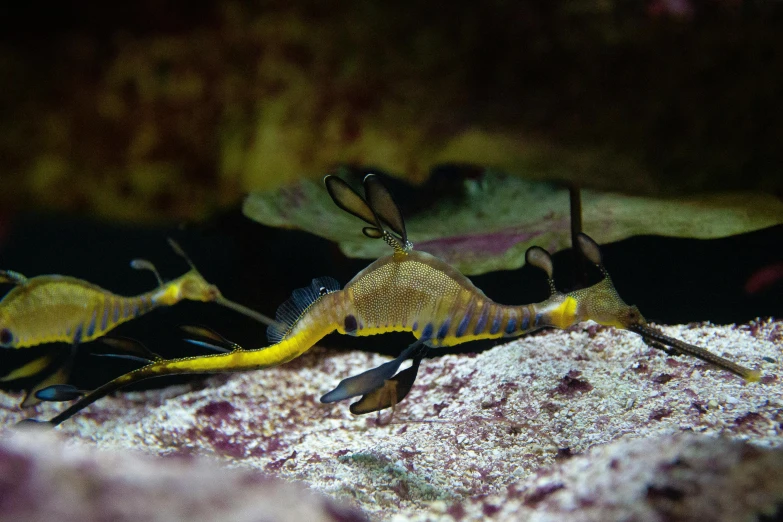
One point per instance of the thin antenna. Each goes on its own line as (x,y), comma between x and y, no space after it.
(178,250)
(143,264)
(575,199)
(249,312)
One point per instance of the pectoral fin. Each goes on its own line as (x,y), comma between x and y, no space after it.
(392,392)
(58,393)
(371,380)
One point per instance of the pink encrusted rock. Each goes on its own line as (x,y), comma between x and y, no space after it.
(479,434)
(42,479)
(671,477)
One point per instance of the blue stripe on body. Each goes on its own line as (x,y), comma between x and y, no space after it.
(443,330)
(482,320)
(105,318)
(427,332)
(511,326)
(91,326)
(495,328)
(77,334)
(525,321)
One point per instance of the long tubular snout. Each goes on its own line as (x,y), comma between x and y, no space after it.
(656,335)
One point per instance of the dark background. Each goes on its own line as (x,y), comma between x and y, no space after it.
(687,92)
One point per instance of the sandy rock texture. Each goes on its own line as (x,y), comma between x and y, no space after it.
(588,424)
(43,479)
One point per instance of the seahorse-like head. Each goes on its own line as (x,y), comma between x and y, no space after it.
(194,287)
(602,304)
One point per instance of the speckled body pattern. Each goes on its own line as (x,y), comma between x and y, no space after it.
(416,292)
(63,309)
(55,308)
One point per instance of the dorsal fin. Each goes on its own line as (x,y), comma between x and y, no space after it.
(133,349)
(301,299)
(381,203)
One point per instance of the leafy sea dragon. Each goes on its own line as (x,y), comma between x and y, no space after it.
(414,292)
(56,308)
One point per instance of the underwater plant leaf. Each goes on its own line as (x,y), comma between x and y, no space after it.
(496,218)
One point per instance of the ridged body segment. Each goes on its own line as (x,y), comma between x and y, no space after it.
(419,293)
(64,309)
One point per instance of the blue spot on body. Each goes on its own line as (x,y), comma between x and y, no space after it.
(462,326)
(427,333)
(116,312)
(77,335)
(495,328)
(511,326)
(105,318)
(525,321)
(91,326)
(443,330)
(482,321)
(538,319)
(135,309)
(415,325)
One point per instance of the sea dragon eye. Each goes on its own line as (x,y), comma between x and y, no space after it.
(6,338)
(323,291)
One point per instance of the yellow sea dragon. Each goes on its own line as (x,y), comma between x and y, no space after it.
(56,308)
(414,292)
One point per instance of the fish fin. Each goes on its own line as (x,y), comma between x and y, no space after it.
(372,380)
(392,392)
(301,299)
(14,278)
(214,341)
(209,346)
(127,357)
(349,200)
(135,350)
(59,376)
(381,203)
(58,393)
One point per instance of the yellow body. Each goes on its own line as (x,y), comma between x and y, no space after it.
(416,292)
(411,291)
(54,308)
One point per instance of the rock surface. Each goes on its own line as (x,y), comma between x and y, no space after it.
(43,479)
(589,424)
